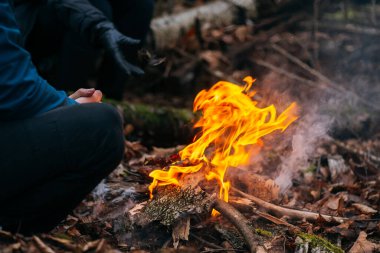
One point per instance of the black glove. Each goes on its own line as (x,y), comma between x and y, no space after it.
(121,48)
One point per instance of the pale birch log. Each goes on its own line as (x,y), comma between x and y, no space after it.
(166,30)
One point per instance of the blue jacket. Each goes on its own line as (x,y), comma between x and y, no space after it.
(23,93)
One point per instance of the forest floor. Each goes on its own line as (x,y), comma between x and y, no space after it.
(331,71)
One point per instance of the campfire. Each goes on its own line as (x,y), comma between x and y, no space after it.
(231,130)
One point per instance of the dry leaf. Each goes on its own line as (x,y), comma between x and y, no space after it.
(213,58)
(362,245)
(364,209)
(241,33)
(334,202)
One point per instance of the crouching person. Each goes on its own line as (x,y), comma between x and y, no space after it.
(54,149)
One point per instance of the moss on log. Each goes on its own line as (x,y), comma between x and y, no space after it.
(156,126)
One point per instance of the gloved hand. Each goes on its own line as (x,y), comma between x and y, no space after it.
(121,48)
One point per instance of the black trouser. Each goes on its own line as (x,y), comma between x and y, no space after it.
(49,163)
(76,58)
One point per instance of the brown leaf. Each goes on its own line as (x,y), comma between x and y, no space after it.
(364,209)
(362,245)
(213,58)
(333,203)
(241,33)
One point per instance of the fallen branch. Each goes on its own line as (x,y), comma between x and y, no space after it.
(327,83)
(167,30)
(239,221)
(291,213)
(357,151)
(304,66)
(208,244)
(350,28)
(285,73)
(246,203)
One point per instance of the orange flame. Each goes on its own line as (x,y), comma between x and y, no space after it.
(231,125)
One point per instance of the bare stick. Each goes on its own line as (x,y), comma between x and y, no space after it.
(345,10)
(239,221)
(318,75)
(208,244)
(285,73)
(42,246)
(357,151)
(373,12)
(315,30)
(247,204)
(292,213)
(302,65)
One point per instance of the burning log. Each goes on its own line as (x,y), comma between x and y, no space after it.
(172,206)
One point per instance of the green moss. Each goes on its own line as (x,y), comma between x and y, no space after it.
(319,242)
(263,232)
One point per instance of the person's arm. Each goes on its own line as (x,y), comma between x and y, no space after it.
(82,17)
(23,93)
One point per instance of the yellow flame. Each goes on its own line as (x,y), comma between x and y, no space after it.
(230,124)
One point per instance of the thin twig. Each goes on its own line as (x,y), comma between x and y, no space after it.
(329,83)
(303,65)
(220,250)
(373,12)
(347,28)
(285,73)
(42,246)
(239,221)
(208,244)
(357,151)
(345,10)
(315,30)
(247,204)
(277,220)
(292,213)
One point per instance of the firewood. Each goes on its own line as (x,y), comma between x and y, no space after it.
(239,221)
(171,204)
(291,213)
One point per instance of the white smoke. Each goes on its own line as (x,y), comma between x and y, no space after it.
(311,128)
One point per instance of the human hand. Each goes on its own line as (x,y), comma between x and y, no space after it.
(83,96)
(118,46)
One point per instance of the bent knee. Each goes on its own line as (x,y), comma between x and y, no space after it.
(107,124)
(110,122)
(106,114)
